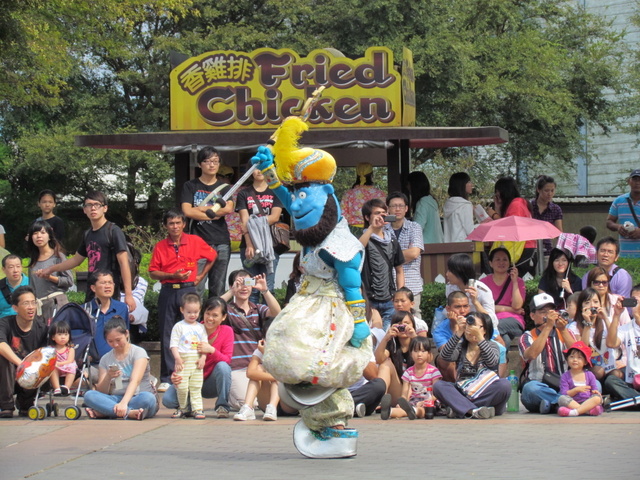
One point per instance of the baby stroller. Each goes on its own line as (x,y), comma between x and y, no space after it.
(83,330)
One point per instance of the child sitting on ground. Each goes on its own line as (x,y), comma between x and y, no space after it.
(186,335)
(579,393)
(261,385)
(417,380)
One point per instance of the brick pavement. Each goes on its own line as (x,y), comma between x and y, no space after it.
(513,446)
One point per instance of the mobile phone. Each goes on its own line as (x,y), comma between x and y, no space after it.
(114,367)
(472,282)
(629,302)
(390,218)
(249,282)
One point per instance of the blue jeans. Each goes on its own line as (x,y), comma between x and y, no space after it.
(104,404)
(386,310)
(217,276)
(257,269)
(215,385)
(534,392)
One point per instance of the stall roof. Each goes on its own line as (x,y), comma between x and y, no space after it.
(418,137)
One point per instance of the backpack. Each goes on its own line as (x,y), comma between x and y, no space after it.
(133,255)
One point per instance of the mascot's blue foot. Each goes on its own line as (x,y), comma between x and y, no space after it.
(326,443)
(303,395)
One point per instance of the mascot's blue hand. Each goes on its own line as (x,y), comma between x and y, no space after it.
(263,158)
(360,332)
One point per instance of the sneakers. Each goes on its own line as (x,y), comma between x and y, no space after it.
(245,413)
(483,413)
(567,412)
(360,410)
(595,411)
(270,414)
(385,406)
(407,407)
(545,406)
(222,412)
(164,386)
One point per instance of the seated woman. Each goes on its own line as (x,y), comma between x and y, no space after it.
(392,353)
(508,292)
(124,388)
(471,350)
(558,280)
(217,372)
(591,326)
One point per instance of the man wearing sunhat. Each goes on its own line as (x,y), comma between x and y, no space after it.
(624,218)
(541,348)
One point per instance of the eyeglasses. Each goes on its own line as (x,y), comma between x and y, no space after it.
(212,161)
(105,283)
(396,206)
(28,304)
(602,283)
(92,206)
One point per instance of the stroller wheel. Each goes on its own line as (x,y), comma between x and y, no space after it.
(32,413)
(72,413)
(41,413)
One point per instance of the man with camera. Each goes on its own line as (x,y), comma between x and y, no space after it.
(541,348)
(175,263)
(383,255)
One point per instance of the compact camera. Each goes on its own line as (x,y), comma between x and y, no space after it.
(564,314)
(471,320)
(593,310)
(390,218)
(472,282)
(401,327)
(249,282)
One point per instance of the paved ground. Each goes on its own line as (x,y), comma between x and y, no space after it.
(513,446)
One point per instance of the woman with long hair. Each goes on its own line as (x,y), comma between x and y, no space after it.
(44,251)
(558,280)
(424,207)
(458,210)
(509,203)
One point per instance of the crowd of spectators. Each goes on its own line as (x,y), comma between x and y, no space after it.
(583,345)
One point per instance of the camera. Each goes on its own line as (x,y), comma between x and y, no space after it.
(472,282)
(629,302)
(390,218)
(593,310)
(114,367)
(471,320)
(401,327)
(564,314)
(249,282)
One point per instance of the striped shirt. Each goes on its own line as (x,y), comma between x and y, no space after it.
(411,236)
(247,328)
(629,248)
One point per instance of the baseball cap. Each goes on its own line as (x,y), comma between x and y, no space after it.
(635,173)
(581,347)
(540,301)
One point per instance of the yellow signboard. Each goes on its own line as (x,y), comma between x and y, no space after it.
(234,90)
(408,89)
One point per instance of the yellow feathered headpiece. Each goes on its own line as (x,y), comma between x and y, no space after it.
(297,165)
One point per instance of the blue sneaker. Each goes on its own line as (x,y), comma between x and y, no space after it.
(545,406)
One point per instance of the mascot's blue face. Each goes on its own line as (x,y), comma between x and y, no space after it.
(307,204)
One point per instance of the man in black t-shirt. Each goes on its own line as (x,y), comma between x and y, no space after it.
(105,245)
(213,231)
(20,334)
(382,255)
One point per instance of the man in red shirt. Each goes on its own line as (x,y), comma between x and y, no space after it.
(175,263)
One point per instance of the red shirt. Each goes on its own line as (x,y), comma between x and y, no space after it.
(169,257)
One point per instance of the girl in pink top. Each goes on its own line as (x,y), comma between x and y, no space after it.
(60,339)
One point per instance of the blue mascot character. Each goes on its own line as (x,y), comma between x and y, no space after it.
(320,343)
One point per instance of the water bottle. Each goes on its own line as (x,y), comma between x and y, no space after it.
(513,404)
(250,262)
(429,404)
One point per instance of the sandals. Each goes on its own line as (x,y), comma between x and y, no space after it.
(178,414)
(57,392)
(199,415)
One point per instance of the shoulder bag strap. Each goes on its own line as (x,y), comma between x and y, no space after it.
(6,293)
(633,212)
(504,289)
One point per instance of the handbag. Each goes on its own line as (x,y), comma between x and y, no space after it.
(474,386)
(552,379)
(281,236)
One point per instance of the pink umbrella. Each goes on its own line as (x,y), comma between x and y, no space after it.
(513,229)
(577,245)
